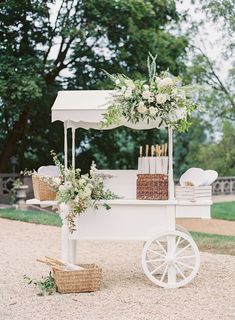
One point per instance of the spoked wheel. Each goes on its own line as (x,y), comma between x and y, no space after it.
(171,260)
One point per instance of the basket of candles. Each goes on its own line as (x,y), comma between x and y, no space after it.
(152,179)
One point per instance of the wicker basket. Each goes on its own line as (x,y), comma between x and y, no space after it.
(86,280)
(42,189)
(152,187)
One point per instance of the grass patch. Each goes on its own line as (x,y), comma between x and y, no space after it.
(223,210)
(214,243)
(51,219)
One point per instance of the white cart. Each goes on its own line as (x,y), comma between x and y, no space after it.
(170,257)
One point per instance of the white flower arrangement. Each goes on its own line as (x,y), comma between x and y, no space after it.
(162,98)
(79,191)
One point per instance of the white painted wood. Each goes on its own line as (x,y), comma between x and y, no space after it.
(85,109)
(73,148)
(171,259)
(125,222)
(47,203)
(72,251)
(184,209)
(198,209)
(121,182)
(65,145)
(170,171)
(65,242)
(192,193)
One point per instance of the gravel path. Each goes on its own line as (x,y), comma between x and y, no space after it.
(216,226)
(126,294)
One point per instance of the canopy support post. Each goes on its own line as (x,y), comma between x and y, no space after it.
(171,191)
(65,145)
(73,147)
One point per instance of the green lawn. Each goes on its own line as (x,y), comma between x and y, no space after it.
(51,219)
(224,211)
(214,242)
(205,241)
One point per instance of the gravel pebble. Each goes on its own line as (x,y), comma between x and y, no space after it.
(126,293)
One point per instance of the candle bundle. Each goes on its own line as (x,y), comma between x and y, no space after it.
(157,162)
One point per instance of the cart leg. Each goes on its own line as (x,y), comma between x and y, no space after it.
(65,241)
(72,251)
(171,253)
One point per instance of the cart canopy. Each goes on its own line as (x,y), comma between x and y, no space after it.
(85,109)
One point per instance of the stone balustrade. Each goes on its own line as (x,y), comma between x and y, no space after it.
(224,185)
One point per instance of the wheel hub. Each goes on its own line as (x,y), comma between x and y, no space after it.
(170,259)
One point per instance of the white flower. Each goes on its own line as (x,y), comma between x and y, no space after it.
(152,111)
(146,87)
(117,82)
(123,89)
(130,84)
(151,99)
(68,184)
(161,98)
(81,181)
(146,95)
(165,83)
(177,114)
(128,94)
(87,191)
(158,79)
(57,181)
(62,188)
(141,107)
(77,198)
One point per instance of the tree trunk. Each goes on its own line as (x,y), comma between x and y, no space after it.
(14,136)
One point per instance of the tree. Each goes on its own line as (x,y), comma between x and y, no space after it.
(218,96)
(219,156)
(83,38)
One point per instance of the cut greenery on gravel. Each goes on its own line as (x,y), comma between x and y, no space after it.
(205,241)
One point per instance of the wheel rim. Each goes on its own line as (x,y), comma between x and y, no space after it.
(182,229)
(171,259)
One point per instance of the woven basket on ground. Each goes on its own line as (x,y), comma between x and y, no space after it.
(152,187)
(42,189)
(86,280)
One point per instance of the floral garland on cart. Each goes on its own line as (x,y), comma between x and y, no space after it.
(162,97)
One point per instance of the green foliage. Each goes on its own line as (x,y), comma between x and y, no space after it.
(219,156)
(93,35)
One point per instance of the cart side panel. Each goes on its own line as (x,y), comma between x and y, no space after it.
(125,222)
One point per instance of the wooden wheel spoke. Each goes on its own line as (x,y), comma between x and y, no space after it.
(186,257)
(182,250)
(164,273)
(180,271)
(155,260)
(185,265)
(159,267)
(158,254)
(161,246)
